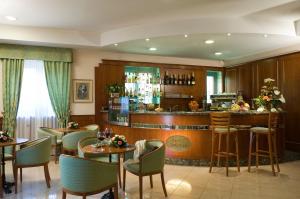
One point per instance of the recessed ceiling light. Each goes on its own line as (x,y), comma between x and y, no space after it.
(265,35)
(229,34)
(209,41)
(147,39)
(10,18)
(185,35)
(218,53)
(116,44)
(152,49)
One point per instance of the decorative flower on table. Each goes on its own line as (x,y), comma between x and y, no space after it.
(119,141)
(4,137)
(73,125)
(270,97)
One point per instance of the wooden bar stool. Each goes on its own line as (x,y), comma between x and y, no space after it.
(270,132)
(220,125)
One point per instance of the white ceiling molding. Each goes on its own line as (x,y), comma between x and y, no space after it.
(204,25)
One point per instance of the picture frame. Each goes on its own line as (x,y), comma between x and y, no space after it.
(82,91)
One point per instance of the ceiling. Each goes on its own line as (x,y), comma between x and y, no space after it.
(102,23)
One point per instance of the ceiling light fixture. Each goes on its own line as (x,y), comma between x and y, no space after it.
(265,35)
(185,35)
(209,41)
(229,34)
(116,44)
(10,18)
(218,53)
(147,39)
(152,49)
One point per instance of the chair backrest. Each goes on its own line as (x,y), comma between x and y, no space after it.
(82,175)
(70,141)
(34,152)
(220,119)
(273,120)
(84,142)
(45,132)
(154,159)
(92,127)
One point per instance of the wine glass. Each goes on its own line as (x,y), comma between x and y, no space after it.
(101,137)
(107,133)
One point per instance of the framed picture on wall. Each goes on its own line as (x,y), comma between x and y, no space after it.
(82,91)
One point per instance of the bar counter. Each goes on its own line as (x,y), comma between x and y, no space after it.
(187,134)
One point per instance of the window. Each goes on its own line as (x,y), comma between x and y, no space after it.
(35,107)
(213,83)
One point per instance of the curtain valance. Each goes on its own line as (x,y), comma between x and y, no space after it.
(13,51)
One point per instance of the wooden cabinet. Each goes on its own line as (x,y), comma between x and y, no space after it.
(231,79)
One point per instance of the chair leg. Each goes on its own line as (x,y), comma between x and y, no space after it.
(250,151)
(64,195)
(212,151)
(271,154)
(237,151)
(83,197)
(219,148)
(116,195)
(47,175)
(151,181)
(15,171)
(21,175)
(227,151)
(275,151)
(141,186)
(256,151)
(119,174)
(163,183)
(124,178)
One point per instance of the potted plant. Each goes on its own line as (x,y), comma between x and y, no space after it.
(115,90)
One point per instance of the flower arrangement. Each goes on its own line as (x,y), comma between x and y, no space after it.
(73,125)
(270,97)
(115,88)
(4,137)
(119,141)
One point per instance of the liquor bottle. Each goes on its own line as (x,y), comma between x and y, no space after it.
(176,79)
(183,79)
(179,79)
(166,79)
(188,79)
(193,81)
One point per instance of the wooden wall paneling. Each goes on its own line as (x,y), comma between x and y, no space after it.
(83,120)
(267,68)
(231,80)
(244,84)
(99,92)
(290,78)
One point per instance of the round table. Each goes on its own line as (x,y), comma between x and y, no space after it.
(13,143)
(109,150)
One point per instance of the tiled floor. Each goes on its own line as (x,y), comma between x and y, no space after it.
(182,183)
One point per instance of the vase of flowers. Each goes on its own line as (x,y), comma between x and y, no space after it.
(73,125)
(119,141)
(270,97)
(4,137)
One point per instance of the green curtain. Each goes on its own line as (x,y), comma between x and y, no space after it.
(58,77)
(12,71)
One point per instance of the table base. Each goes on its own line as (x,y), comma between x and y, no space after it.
(7,187)
(108,195)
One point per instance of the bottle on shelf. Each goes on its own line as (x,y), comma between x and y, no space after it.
(166,78)
(189,79)
(179,79)
(193,81)
(176,79)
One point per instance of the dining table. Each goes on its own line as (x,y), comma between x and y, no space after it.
(109,150)
(6,186)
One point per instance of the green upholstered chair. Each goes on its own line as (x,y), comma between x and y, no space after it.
(70,141)
(56,139)
(151,162)
(33,154)
(83,177)
(115,158)
(92,127)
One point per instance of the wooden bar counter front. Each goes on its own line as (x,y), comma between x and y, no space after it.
(187,134)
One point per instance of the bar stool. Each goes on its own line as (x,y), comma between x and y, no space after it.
(270,132)
(220,125)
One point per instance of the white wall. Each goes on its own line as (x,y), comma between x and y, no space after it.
(85,61)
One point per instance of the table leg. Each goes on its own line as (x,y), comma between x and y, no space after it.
(6,185)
